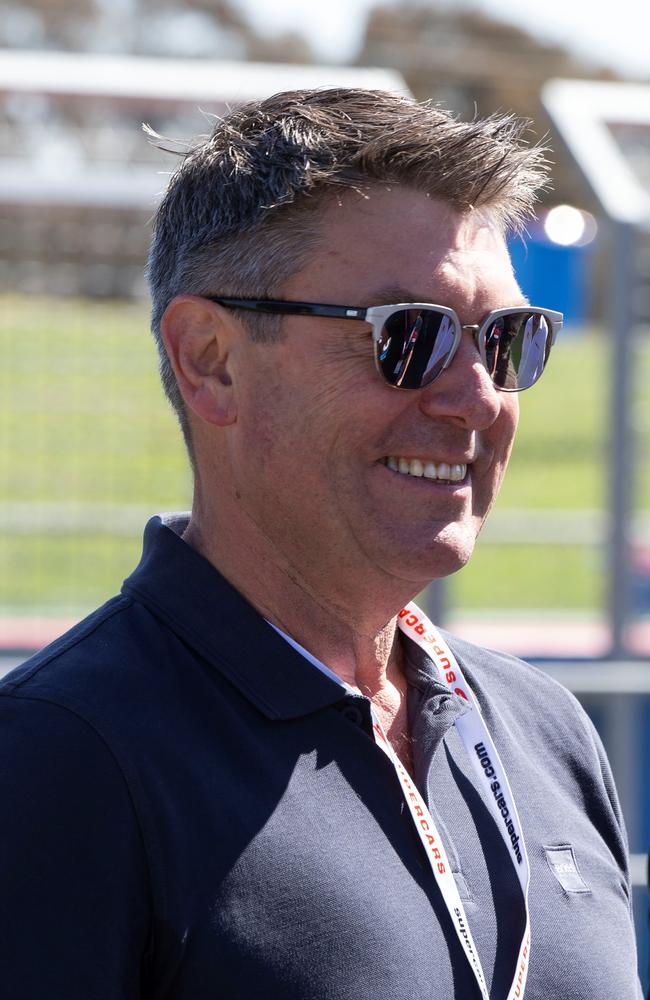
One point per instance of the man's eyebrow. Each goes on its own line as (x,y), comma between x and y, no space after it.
(393,295)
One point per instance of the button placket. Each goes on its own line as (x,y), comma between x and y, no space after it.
(356,710)
(437,714)
(353,714)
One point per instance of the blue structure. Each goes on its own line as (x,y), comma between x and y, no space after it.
(555,276)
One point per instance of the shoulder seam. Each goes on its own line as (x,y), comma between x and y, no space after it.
(65,643)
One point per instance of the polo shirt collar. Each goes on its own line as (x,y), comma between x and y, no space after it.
(195,601)
(191,597)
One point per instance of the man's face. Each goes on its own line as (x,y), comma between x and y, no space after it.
(316,422)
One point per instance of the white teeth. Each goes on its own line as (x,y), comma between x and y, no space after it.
(429,470)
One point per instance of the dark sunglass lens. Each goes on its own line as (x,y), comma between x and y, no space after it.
(517,346)
(414,347)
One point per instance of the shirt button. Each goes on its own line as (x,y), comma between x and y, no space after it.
(353,714)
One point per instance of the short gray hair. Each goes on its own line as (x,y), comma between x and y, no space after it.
(241,212)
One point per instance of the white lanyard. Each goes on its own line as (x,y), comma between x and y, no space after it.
(492,779)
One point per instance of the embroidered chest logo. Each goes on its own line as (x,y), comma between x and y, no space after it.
(562,862)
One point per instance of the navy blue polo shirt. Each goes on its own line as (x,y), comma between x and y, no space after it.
(191,810)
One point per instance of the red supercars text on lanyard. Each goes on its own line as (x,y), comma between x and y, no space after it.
(492,779)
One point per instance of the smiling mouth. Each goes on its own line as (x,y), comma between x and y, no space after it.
(439,471)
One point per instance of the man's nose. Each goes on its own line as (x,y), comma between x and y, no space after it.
(464,391)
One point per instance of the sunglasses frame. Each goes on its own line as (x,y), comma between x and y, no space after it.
(377,316)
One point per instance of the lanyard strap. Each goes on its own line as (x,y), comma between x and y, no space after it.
(487,764)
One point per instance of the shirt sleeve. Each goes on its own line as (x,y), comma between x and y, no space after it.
(74,886)
(614,832)
(612,826)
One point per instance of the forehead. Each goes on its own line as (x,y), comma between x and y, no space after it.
(398,240)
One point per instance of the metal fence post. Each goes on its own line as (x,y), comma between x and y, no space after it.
(622,319)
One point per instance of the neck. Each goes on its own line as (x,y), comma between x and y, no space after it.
(355,635)
(352,630)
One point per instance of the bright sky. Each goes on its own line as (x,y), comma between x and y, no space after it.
(611,33)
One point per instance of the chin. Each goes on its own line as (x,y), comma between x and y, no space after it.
(440,558)
(448,562)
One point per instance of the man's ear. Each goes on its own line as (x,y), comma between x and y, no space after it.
(199,336)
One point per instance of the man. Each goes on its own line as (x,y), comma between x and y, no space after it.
(257,773)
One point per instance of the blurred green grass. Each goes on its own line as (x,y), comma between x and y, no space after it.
(83,424)
(82,415)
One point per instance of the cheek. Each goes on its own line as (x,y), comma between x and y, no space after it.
(258,443)
(277,445)
(504,428)
(498,442)
(306,407)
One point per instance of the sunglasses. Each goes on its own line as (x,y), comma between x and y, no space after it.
(415,341)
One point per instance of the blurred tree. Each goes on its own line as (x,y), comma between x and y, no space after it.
(473,64)
(288,47)
(223,11)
